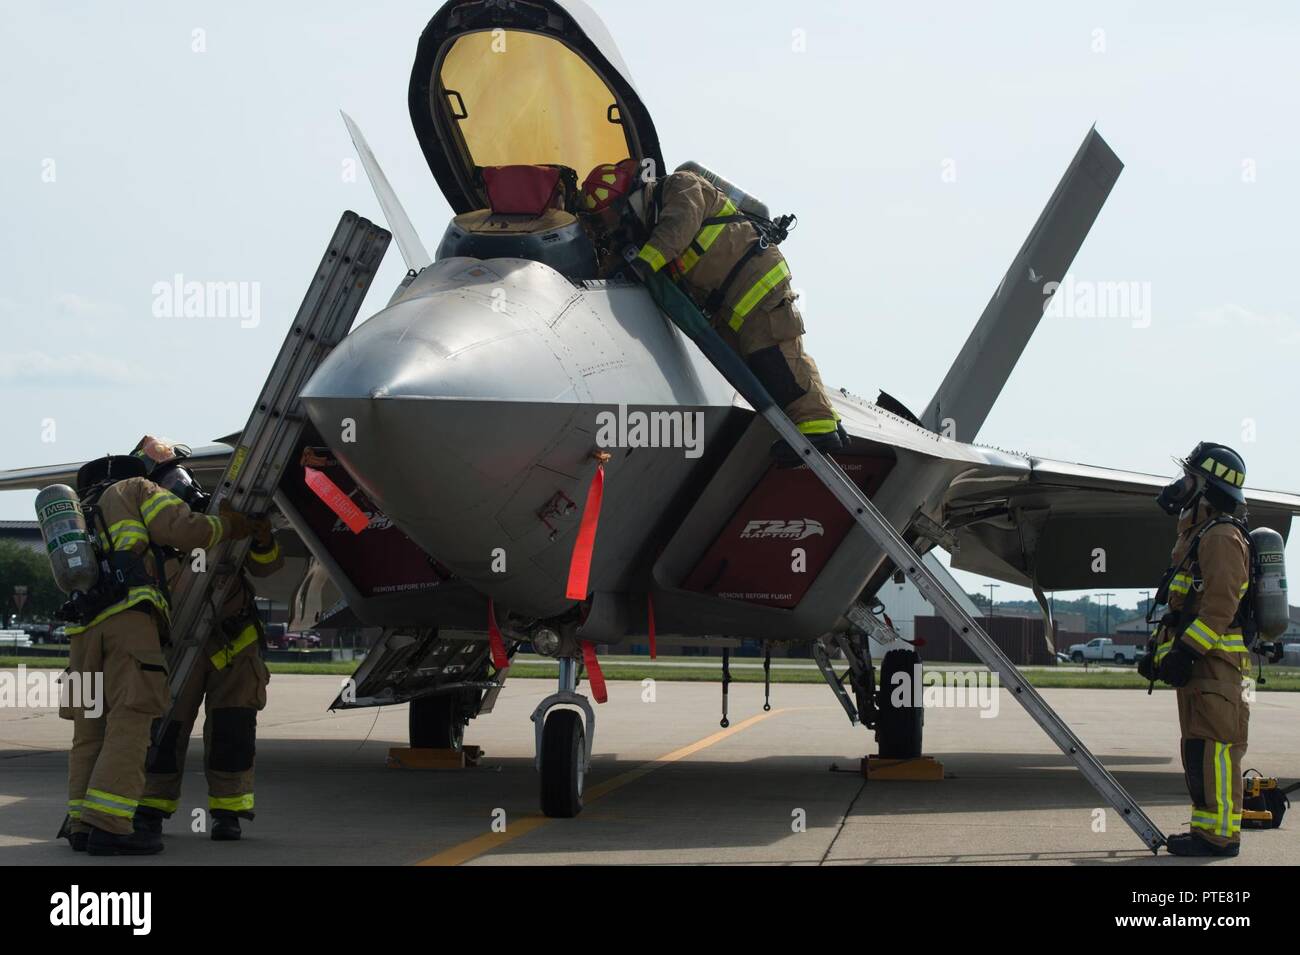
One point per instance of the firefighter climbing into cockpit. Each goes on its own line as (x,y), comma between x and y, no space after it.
(720,246)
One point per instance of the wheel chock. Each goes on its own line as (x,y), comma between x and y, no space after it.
(917,769)
(405,757)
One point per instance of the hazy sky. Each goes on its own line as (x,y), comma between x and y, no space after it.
(916,142)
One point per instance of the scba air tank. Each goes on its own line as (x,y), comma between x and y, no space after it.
(743,200)
(67,541)
(1272,613)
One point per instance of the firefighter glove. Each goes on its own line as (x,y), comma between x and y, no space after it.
(1176,667)
(241,525)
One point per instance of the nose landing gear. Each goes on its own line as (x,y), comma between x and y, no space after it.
(563,745)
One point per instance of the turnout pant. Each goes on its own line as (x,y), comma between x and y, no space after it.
(1214,720)
(771,342)
(106,762)
(232,688)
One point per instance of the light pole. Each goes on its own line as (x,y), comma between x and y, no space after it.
(1107,596)
(1146,599)
(991,588)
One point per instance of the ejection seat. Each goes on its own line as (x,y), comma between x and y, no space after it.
(527,219)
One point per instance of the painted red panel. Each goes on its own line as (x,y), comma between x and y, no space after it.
(752,559)
(378,560)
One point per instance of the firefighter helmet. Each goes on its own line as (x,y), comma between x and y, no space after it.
(1224,473)
(608,183)
(108,470)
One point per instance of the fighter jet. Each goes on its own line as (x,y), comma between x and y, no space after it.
(521,417)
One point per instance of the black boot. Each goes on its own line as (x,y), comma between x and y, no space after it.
(225,826)
(138,843)
(828,443)
(148,819)
(1190,844)
(75,839)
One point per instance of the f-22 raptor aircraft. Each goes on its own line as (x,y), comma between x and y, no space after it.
(470,417)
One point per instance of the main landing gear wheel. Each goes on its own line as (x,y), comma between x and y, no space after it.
(435,722)
(564,759)
(898,728)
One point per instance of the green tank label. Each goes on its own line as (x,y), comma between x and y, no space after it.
(55,508)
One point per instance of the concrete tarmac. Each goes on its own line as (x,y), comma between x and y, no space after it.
(668,786)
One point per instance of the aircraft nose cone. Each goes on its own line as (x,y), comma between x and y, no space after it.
(437,407)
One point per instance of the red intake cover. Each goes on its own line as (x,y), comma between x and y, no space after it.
(521,190)
(753,560)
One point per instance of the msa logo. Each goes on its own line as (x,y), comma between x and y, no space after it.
(795,530)
(131,909)
(1270,558)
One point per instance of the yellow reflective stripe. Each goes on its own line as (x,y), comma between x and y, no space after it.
(240,803)
(74,808)
(706,237)
(773,277)
(124,525)
(1162,651)
(1201,634)
(221,659)
(168,806)
(1223,786)
(651,256)
(818,426)
(109,804)
(265,558)
(1232,643)
(217,531)
(125,533)
(156,503)
(1243,588)
(1181,584)
(133,596)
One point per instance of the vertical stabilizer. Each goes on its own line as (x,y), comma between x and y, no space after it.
(962,403)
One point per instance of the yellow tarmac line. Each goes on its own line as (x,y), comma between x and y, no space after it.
(485,843)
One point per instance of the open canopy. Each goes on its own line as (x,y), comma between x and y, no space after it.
(507,82)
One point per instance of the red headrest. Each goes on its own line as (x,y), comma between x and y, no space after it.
(521,190)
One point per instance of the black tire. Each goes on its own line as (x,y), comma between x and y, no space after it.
(1119,658)
(899,728)
(435,722)
(564,758)
(1076,657)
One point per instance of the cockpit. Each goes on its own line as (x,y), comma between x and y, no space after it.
(513,104)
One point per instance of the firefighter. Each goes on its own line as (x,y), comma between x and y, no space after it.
(736,276)
(117,633)
(1199,648)
(230,680)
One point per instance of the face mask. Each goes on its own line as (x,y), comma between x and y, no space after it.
(1175,496)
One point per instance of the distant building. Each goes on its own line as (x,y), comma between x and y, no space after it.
(27,533)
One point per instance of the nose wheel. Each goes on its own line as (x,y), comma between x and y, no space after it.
(564,764)
(564,745)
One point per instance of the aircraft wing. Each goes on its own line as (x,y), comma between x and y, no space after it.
(208,463)
(1074,526)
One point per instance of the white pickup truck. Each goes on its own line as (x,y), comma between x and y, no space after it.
(1103,649)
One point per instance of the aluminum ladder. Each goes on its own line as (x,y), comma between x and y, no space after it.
(689,319)
(268,441)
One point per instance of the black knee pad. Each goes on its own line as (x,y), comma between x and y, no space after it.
(1194,769)
(164,762)
(771,368)
(234,739)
